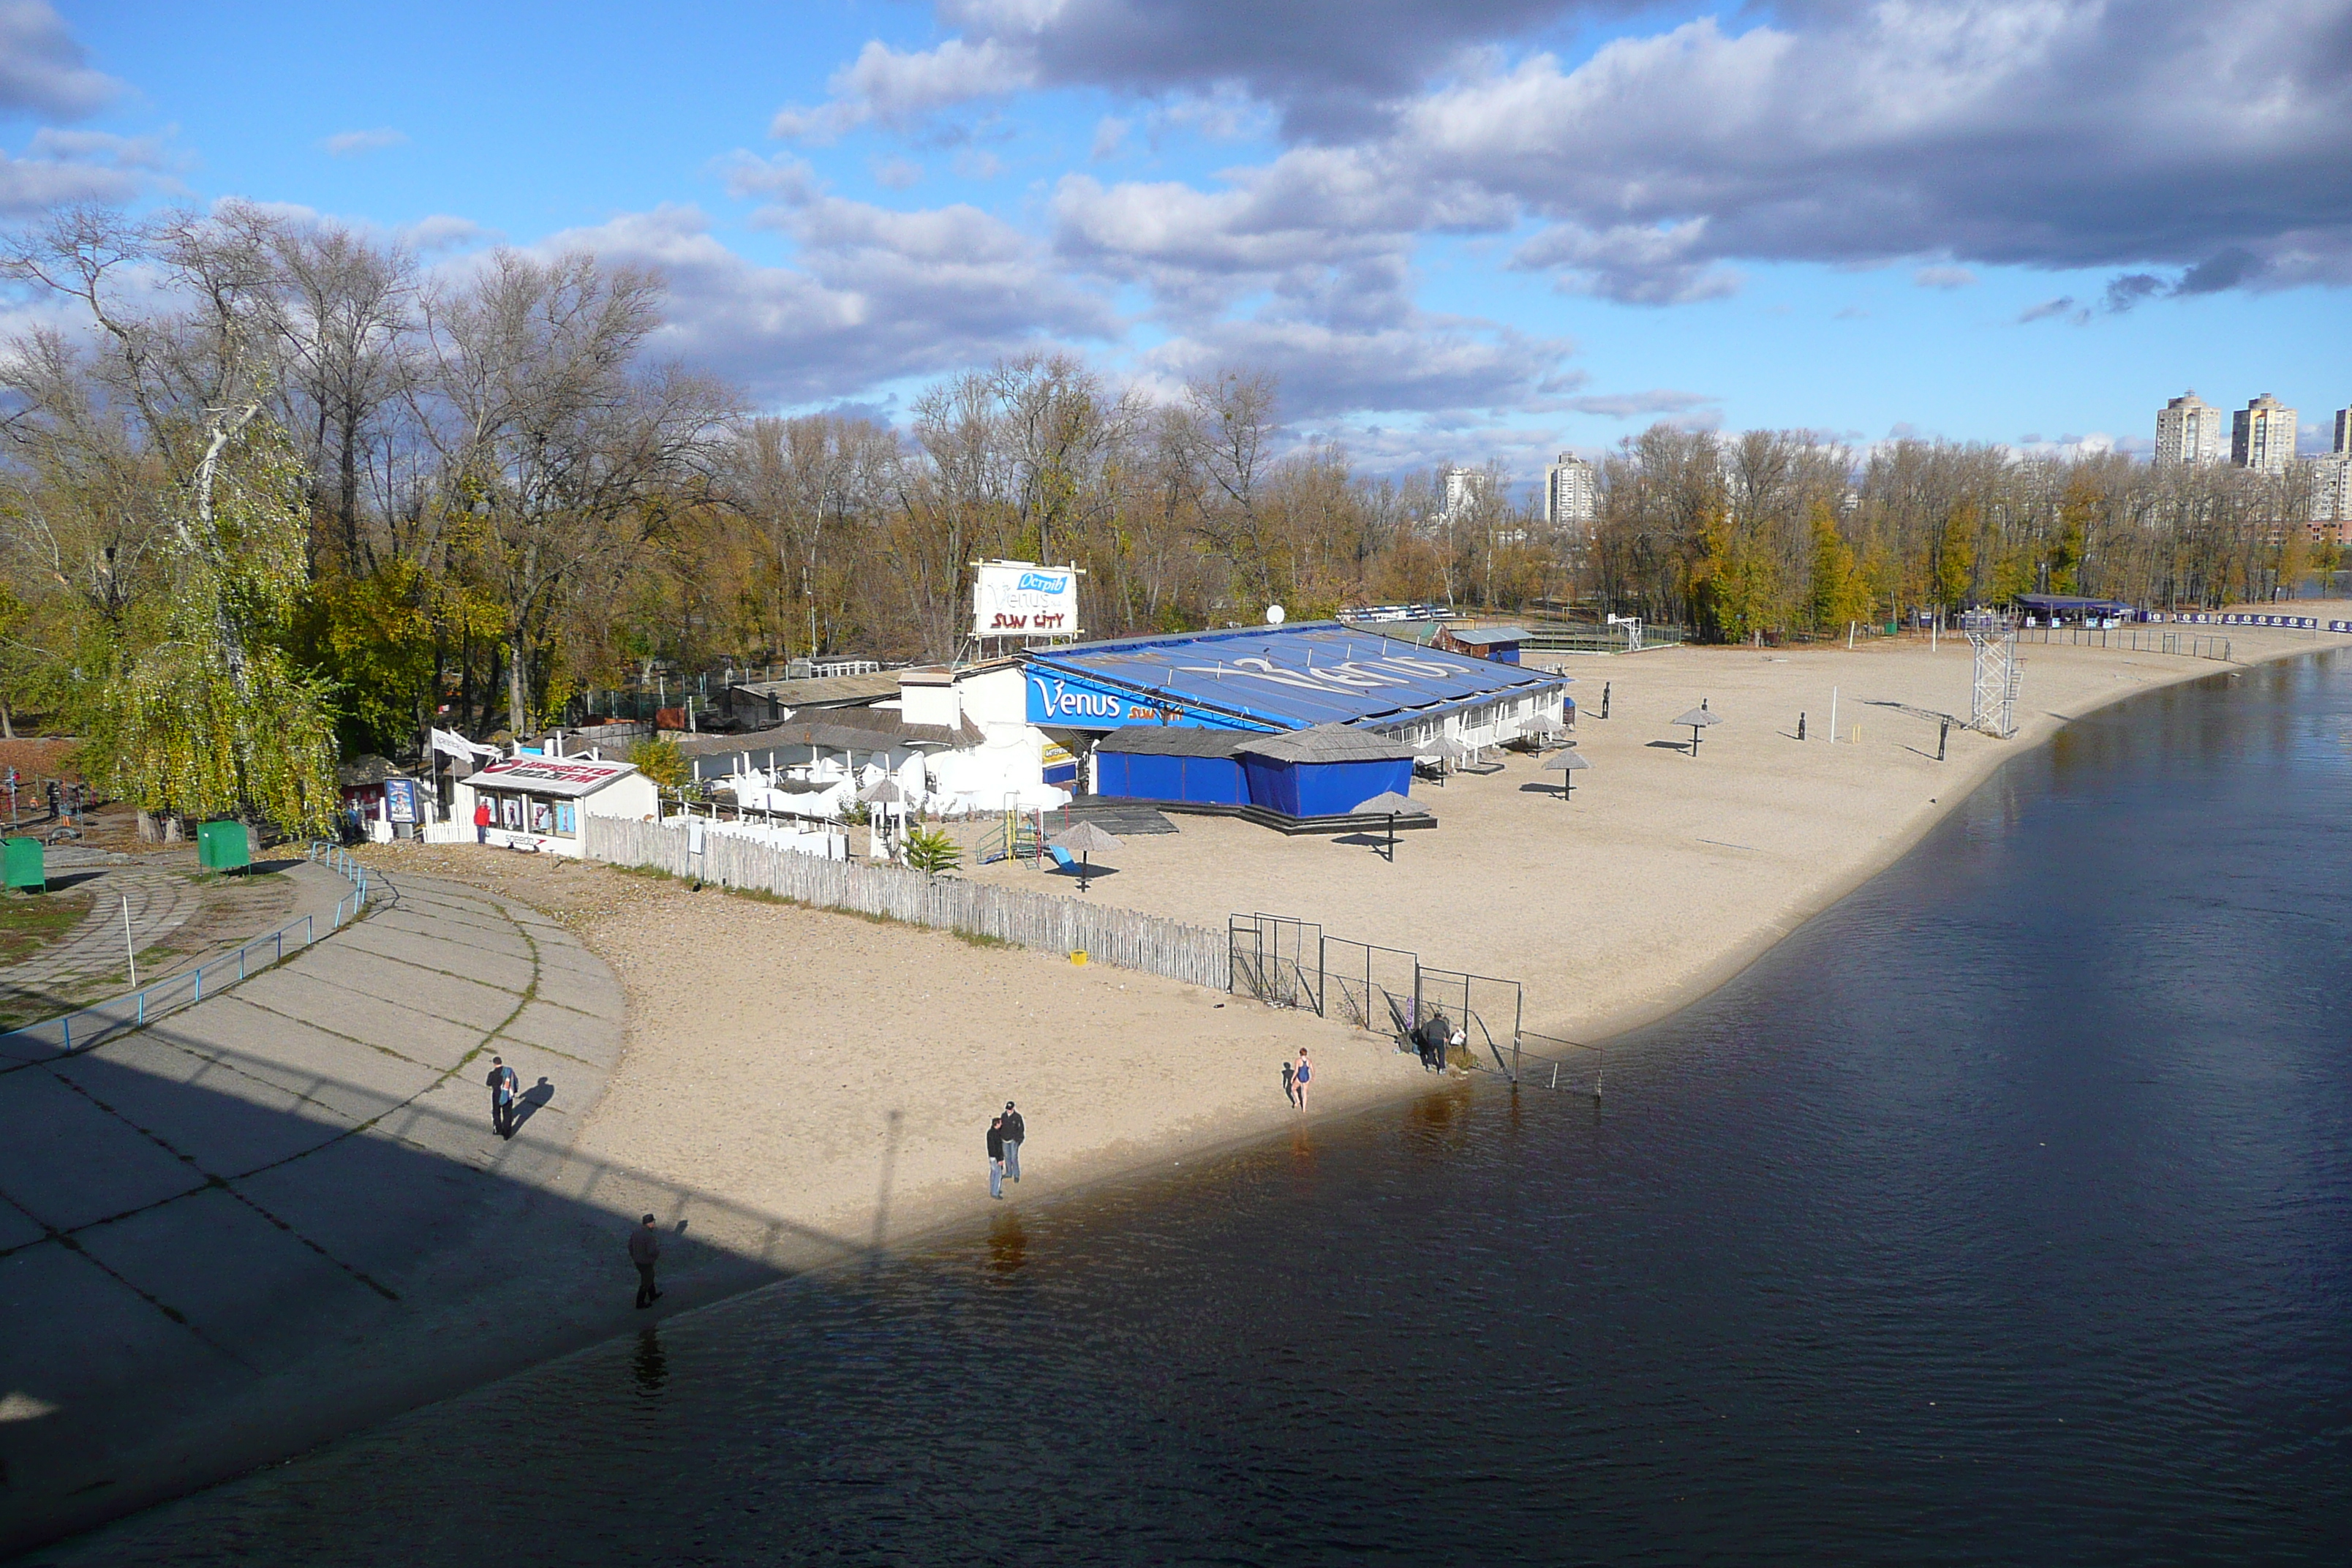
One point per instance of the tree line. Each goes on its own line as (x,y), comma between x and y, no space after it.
(272,491)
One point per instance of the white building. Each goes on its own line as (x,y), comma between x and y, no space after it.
(1572,490)
(2261,436)
(1464,487)
(539,802)
(2331,490)
(2188,431)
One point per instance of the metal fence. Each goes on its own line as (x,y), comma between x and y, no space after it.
(1568,636)
(1044,921)
(87,1026)
(1292,962)
(2135,640)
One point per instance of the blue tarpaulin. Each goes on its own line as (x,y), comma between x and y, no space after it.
(1267,678)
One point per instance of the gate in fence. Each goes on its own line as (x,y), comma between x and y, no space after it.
(1294,963)
(1487,1010)
(1277,958)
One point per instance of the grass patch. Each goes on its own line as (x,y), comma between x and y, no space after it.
(31,922)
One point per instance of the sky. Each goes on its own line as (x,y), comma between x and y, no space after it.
(1488,230)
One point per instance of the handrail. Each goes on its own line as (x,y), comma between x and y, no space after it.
(69,1033)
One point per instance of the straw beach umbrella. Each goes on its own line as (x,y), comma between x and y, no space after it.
(1084,840)
(1697,719)
(1567,765)
(1390,805)
(885,793)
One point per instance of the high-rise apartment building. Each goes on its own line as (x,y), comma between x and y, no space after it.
(2189,430)
(1462,488)
(2261,436)
(1572,490)
(2331,491)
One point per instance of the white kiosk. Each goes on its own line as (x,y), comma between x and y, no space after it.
(539,802)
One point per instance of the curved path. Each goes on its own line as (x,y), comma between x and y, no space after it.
(282,1213)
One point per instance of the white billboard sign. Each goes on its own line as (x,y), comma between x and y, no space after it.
(1016,599)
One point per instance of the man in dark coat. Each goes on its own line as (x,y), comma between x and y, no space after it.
(1015,1130)
(504,1085)
(996,1158)
(644,1251)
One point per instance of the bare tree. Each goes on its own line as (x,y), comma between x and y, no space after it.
(558,446)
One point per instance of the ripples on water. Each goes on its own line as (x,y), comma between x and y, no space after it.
(2004,1214)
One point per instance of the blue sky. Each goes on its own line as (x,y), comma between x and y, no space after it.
(1490,228)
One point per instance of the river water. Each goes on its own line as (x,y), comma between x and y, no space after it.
(2003,1213)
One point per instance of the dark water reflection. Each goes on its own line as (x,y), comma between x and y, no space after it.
(2003,1215)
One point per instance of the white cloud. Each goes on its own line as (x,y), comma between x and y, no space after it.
(876,295)
(43,68)
(1633,404)
(1943,278)
(445,231)
(898,89)
(354,143)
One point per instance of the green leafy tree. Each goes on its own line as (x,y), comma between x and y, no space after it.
(1839,590)
(213,719)
(661,762)
(373,637)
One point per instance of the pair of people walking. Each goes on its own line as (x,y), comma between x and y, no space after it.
(1004,1135)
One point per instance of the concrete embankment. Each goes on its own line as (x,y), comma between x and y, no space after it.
(282,1212)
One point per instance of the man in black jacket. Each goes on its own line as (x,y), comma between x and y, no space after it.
(1015,1130)
(503,1088)
(996,1158)
(644,1251)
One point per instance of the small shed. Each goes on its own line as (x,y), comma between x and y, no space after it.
(1181,763)
(1499,644)
(540,802)
(1325,771)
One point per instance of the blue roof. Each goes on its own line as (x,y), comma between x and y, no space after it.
(1265,677)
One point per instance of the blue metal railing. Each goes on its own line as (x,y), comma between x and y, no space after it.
(87,1026)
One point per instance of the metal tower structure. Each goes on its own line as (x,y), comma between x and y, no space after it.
(1992,706)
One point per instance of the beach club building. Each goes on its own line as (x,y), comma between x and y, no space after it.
(1373,703)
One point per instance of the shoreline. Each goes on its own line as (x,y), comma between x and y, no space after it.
(706,1100)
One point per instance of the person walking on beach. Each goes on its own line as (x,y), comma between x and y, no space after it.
(644,1251)
(1305,1070)
(1015,1130)
(503,1086)
(1290,1083)
(996,1158)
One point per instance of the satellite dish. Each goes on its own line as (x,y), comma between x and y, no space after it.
(1273,613)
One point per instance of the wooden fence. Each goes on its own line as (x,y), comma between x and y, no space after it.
(1044,921)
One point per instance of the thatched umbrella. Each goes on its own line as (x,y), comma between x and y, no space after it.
(1084,840)
(1698,718)
(1449,753)
(1390,805)
(1567,765)
(884,792)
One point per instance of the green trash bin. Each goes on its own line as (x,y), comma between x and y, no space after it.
(223,847)
(23,865)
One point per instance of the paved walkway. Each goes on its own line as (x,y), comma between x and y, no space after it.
(159,903)
(281,1213)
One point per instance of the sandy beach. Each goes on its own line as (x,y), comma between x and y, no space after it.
(1666,873)
(838,1074)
